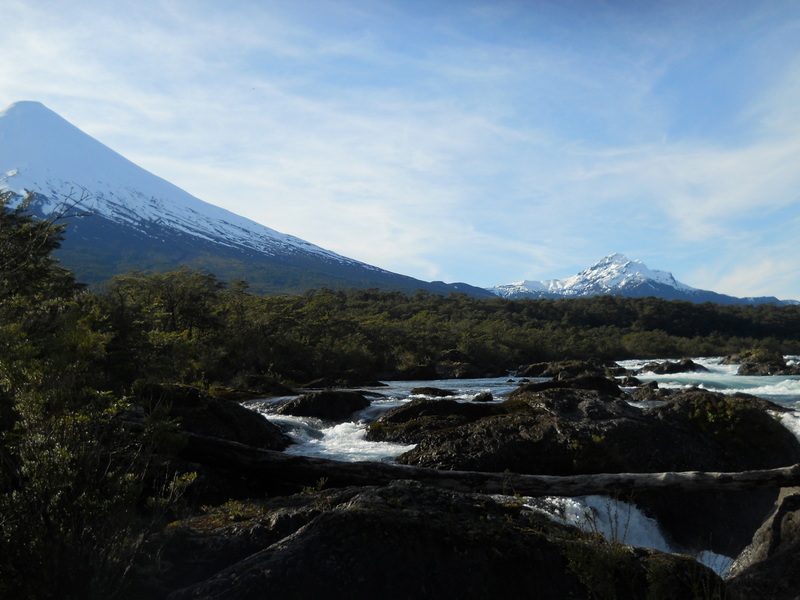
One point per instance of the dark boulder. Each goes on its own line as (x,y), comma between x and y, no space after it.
(705,431)
(199,412)
(685,365)
(761,362)
(571,368)
(567,431)
(408,423)
(534,433)
(333,405)
(231,421)
(534,370)
(346,379)
(432,391)
(629,381)
(598,383)
(770,566)
(404,541)
(768,368)
(650,392)
(483,397)
(266,386)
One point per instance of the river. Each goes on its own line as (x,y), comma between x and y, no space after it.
(616,520)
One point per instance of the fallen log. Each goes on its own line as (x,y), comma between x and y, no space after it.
(300,471)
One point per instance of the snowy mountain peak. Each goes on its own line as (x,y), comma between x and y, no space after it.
(617,271)
(24,107)
(129,218)
(42,152)
(613,274)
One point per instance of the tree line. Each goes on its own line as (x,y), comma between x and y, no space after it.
(188,326)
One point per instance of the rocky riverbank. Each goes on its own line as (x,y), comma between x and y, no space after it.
(402,540)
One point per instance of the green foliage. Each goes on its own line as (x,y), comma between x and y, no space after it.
(73,475)
(606,568)
(388,334)
(69,521)
(165,325)
(186,326)
(716,415)
(27,266)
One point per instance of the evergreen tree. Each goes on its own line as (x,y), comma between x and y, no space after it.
(71,474)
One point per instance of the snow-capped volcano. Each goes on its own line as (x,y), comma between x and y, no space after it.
(132,219)
(611,274)
(51,157)
(617,275)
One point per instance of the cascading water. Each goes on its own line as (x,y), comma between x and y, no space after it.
(615,519)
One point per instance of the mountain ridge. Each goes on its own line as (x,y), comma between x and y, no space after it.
(127,218)
(616,274)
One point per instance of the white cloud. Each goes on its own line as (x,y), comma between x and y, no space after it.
(490,148)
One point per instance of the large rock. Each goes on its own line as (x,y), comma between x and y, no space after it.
(571,368)
(409,422)
(650,392)
(333,405)
(588,381)
(566,431)
(432,391)
(685,365)
(768,368)
(402,541)
(761,362)
(711,432)
(199,412)
(265,386)
(770,566)
(345,379)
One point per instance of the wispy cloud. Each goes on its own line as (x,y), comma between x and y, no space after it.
(483,142)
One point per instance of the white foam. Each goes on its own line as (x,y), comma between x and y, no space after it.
(347,442)
(618,521)
(790,420)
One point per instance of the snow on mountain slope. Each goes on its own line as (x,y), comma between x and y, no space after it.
(617,275)
(611,275)
(42,152)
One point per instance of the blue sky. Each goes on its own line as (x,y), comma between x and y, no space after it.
(485,142)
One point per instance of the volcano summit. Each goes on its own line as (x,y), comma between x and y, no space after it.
(127,218)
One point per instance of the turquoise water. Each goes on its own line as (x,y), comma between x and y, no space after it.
(347,441)
(784,390)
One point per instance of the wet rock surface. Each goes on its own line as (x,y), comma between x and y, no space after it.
(570,368)
(199,412)
(770,566)
(560,428)
(334,405)
(685,365)
(402,541)
(761,363)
